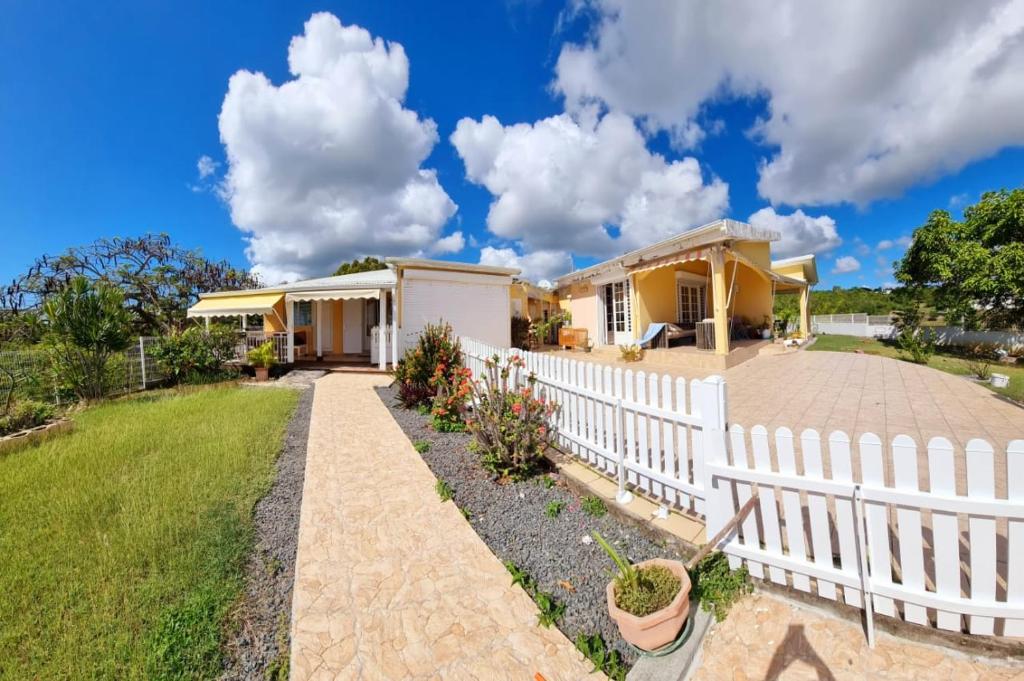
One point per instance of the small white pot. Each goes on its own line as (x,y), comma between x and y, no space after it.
(766,334)
(999,380)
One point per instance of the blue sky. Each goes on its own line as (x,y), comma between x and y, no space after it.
(618,137)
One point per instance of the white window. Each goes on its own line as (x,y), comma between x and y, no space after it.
(692,303)
(304,313)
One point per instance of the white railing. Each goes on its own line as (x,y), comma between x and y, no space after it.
(389,339)
(254,339)
(936,558)
(644,430)
(932,557)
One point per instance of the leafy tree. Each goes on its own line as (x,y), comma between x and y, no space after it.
(159,280)
(367,264)
(87,324)
(975,266)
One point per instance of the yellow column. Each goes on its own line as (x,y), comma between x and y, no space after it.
(719,297)
(805,319)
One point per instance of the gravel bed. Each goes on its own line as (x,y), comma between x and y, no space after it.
(262,640)
(510,519)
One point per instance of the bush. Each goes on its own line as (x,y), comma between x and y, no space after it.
(631,353)
(509,426)
(196,355)
(521,332)
(717,586)
(262,356)
(25,414)
(917,344)
(415,371)
(87,326)
(453,388)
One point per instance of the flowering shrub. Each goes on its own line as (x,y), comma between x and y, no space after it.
(415,371)
(510,426)
(453,388)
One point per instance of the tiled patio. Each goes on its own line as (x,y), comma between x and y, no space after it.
(865,393)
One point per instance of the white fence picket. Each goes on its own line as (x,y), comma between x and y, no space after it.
(904,461)
(682,443)
(981,485)
(766,502)
(791,507)
(1015,537)
(668,464)
(751,537)
(877,521)
(945,531)
(842,472)
(817,510)
(643,452)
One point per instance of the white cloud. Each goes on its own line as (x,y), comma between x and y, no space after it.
(863,99)
(561,182)
(326,166)
(885,244)
(801,233)
(453,243)
(905,241)
(846,264)
(206,166)
(539,266)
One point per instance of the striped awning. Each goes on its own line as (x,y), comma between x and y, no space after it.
(669,260)
(232,305)
(337,294)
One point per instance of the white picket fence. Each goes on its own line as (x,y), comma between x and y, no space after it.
(935,557)
(642,429)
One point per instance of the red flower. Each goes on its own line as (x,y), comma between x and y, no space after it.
(517,408)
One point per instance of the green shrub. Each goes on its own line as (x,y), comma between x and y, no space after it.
(593,506)
(87,326)
(196,355)
(421,446)
(520,332)
(415,371)
(25,414)
(717,586)
(550,610)
(510,426)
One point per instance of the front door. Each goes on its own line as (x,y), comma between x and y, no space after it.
(370,315)
(617,313)
(352,326)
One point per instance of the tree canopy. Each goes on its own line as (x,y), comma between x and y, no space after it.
(159,281)
(975,266)
(367,264)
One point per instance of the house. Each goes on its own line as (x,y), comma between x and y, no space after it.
(716,282)
(338,318)
(532,302)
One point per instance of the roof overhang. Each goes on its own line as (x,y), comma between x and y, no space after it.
(338,294)
(807,262)
(448,266)
(715,232)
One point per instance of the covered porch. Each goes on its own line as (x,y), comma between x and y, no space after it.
(717,300)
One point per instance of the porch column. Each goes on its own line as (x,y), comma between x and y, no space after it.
(290,330)
(719,297)
(805,319)
(394,328)
(207,323)
(382,336)
(319,330)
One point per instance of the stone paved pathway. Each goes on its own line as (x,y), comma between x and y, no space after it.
(766,638)
(390,583)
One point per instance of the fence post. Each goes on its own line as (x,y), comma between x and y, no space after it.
(712,413)
(623,496)
(865,577)
(142,360)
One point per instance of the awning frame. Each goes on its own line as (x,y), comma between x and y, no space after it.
(335,294)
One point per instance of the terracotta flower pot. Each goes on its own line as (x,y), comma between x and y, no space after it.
(262,373)
(659,628)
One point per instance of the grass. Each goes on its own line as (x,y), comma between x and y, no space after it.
(593,506)
(123,542)
(943,361)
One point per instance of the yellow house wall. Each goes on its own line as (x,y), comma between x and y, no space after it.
(792,271)
(655,298)
(518,296)
(757,252)
(753,299)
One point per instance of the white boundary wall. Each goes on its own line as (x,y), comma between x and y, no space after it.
(820,525)
(872,326)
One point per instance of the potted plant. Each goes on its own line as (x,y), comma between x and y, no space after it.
(649,601)
(589,345)
(766,328)
(262,358)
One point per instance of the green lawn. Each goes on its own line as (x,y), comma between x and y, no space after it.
(949,363)
(122,543)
